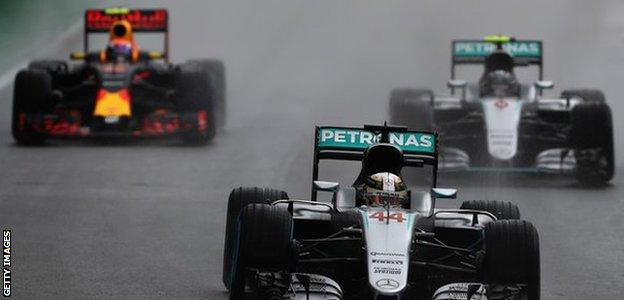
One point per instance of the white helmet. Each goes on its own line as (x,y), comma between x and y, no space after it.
(385,188)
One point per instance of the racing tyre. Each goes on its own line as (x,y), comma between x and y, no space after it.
(503,210)
(512,255)
(263,240)
(32,94)
(52,66)
(194,95)
(239,198)
(591,137)
(216,69)
(412,108)
(588,95)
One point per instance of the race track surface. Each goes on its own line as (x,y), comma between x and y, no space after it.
(146,220)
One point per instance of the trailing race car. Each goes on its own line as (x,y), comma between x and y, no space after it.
(121,90)
(500,124)
(377,239)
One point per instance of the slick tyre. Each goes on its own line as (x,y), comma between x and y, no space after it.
(194,94)
(591,137)
(216,69)
(263,240)
(412,108)
(512,255)
(503,210)
(239,198)
(32,94)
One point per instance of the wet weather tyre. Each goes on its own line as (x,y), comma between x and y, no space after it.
(52,66)
(32,94)
(412,108)
(587,95)
(512,255)
(503,210)
(263,240)
(591,137)
(194,95)
(216,69)
(239,198)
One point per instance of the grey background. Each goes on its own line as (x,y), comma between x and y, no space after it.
(147,220)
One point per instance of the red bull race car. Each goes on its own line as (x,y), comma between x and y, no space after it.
(377,238)
(500,124)
(121,90)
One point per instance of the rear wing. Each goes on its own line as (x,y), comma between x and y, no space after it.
(524,52)
(142,20)
(349,143)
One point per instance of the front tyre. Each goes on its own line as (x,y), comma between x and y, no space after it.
(193,94)
(32,94)
(512,255)
(216,70)
(263,240)
(591,137)
(239,198)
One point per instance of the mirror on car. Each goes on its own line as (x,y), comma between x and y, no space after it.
(77,55)
(544,84)
(326,186)
(444,193)
(156,55)
(457,83)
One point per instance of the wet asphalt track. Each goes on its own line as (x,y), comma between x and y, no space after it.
(147,220)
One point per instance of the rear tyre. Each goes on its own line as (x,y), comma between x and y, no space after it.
(512,255)
(194,95)
(263,240)
(239,198)
(588,95)
(52,66)
(591,137)
(32,94)
(412,108)
(503,210)
(216,69)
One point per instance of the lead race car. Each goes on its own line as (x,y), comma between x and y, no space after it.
(120,91)
(500,124)
(377,239)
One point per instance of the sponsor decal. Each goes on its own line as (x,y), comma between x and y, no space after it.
(374,253)
(387,284)
(388,261)
(501,104)
(381,216)
(6,263)
(479,49)
(357,139)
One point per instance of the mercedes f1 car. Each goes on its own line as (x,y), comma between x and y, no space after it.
(120,91)
(377,239)
(502,125)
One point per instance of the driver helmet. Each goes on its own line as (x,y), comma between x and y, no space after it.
(385,188)
(119,50)
(500,83)
(121,45)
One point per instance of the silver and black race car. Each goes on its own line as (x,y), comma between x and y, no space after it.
(500,124)
(354,247)
(120,90)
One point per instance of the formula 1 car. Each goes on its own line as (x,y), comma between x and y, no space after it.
(502,125)
(365,244)
(120,91)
